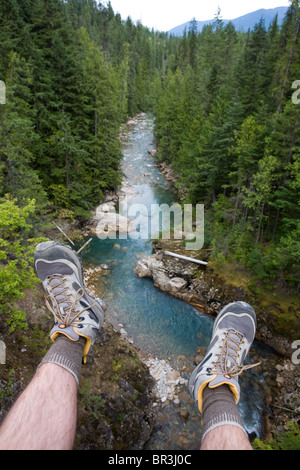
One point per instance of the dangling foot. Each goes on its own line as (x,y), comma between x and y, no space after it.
(76,313)
(233,334)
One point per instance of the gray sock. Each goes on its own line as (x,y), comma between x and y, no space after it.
(67,354)
(219,408)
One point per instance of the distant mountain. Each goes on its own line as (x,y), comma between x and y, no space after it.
(243,23)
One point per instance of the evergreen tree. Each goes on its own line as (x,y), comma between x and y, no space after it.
(18,137)
(221,98)
(289,43)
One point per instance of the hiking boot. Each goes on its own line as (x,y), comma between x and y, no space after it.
(76,313)
(233,333)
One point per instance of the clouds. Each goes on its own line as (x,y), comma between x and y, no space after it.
(166,14)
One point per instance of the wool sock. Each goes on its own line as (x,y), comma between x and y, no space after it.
(219,409)
(67,354)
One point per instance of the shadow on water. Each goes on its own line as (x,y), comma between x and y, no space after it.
(162,326)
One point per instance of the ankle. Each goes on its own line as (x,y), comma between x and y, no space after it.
(219,409)
(66,354)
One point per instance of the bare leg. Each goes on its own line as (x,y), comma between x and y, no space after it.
(226,438)
(214,382)
(223,427)
(44,416)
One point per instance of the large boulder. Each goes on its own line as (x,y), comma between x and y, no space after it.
(153,268)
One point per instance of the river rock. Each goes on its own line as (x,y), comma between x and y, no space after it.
(107,221)
(103,208)
(110,222)
(292,400)
(177,284)
(104,266)
(143,269)
(173,375)
(113,198)
(153,267)
(167,380)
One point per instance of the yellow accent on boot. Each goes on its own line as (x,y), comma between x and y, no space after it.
(200,392)
(57,333)
(232,387)
(86,348)
(87,345)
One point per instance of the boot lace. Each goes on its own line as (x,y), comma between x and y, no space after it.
(62,300)
(227,360)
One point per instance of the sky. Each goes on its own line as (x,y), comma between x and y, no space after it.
(164,15)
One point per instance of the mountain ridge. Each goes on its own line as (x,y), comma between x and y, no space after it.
(243,22)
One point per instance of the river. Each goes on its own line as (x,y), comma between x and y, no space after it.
(164,328)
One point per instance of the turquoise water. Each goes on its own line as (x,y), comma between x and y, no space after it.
(160,325)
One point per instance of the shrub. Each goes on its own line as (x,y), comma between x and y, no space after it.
(16,257)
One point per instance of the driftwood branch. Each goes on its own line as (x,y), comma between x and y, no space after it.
(84,246)
(286,409)
(64,233)
(186,258)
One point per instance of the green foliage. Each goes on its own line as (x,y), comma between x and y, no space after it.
(16,257)
(226,124)
(8,391)
(284,440)
(73,72)
(94,404)
(224,120)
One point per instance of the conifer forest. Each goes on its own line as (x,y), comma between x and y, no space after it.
(226,107)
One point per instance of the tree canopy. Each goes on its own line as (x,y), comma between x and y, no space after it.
(222,100)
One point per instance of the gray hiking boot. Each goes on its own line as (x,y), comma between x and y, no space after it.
(76,313)
(233,333)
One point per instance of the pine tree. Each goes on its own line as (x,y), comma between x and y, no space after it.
(17,136)
(99,120)
(258,195)
(247,151)
(289,42)
(284,144)
(250,69)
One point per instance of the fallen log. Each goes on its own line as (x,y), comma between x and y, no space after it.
(84,246)
(186,258)
(64,233)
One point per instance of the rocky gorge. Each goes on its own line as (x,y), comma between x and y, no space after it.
(208,291)
(125,395)
(203,288)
